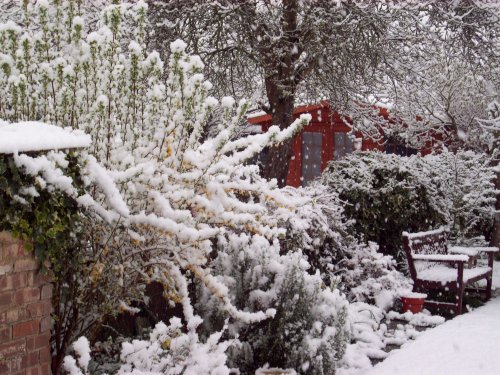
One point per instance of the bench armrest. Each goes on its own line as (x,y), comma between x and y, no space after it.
(444,258)
(471,251)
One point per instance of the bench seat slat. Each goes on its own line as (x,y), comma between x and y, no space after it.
(445,274)
(441,257)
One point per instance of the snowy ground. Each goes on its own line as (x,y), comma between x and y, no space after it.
(468,345)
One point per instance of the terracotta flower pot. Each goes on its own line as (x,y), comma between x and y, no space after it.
(275,371)
(413,302)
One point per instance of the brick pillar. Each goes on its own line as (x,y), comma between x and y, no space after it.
(25,307)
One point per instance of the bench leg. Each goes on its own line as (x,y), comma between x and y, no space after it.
(488,287)
(460,299)
(460,288)
(489,279)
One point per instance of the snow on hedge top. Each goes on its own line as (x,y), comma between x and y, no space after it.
(36,136)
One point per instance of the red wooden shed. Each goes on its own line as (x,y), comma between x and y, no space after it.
(324,139)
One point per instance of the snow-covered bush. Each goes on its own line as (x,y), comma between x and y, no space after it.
(320,230)
(368,279)
(168,351)
(367,338)
(368,276)
(461,188)
(170,202)
(382,197)
(387,194)
(309,329)
(319,227)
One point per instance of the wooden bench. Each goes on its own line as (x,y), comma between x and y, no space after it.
(434,266)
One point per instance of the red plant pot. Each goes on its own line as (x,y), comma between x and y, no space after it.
(413,302)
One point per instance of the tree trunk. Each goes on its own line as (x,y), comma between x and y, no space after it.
(277,162)
(279,156)
(280,59)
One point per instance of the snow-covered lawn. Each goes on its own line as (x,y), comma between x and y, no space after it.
(468,345)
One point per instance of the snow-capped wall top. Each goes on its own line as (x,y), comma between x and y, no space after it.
(36,136)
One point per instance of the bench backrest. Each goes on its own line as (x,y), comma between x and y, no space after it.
(431,242)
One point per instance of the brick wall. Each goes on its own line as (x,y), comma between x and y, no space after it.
(25,309)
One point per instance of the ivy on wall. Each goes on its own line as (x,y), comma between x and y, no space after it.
(47,219)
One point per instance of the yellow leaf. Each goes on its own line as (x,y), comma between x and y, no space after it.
(166,344)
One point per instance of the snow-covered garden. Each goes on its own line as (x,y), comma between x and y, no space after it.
(173,247)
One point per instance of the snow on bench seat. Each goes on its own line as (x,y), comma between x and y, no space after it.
(37,136)
(441,257)
(445,274)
